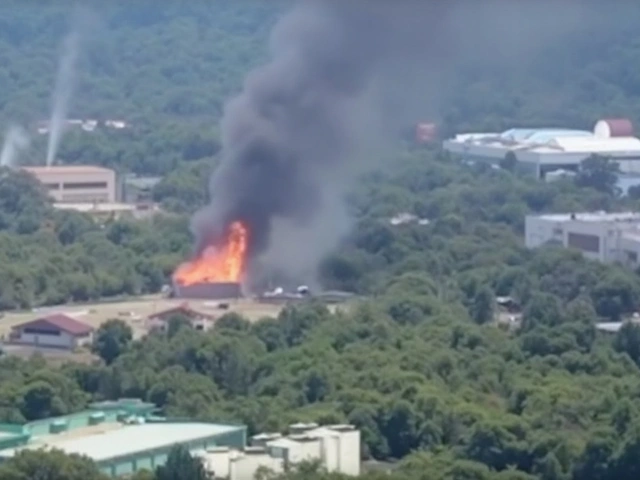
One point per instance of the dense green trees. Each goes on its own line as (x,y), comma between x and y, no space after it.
(51,257)
(53,465)
(420,366)
(181,465)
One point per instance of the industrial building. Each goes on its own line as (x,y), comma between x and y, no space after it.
(52,331)
(125,436)
(122,437)
(606,237)
(544,150)
(77,183)
(209,290)
(335,447)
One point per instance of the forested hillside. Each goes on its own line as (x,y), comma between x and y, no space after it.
(421,367)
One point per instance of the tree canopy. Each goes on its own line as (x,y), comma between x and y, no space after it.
(441,386)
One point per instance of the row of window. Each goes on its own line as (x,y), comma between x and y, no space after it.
(41,331)
(76,186)
(84,197)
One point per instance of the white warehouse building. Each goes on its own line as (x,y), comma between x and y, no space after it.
(606,237)
(544,150)
(335,447)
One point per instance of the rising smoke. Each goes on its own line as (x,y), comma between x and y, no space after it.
(293,140)
(65,84)
(15,140)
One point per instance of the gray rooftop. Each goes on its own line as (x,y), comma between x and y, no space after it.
(620,217)
(109,441)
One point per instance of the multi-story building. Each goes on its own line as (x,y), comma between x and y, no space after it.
(607,237)
(77,183)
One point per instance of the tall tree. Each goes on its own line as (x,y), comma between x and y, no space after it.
(600,173)
(111,339)
(181,465)
(483,306)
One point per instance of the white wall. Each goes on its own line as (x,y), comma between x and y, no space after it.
(493,152)
(615,241)
(350,456)
(64,340)
(630,250)
(539,231)
(607,234)
(55,181)
(305,451)
(246,466)
(336,447)
(340,448)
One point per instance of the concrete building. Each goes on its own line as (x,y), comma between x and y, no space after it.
(52,331)
(335,447)
(544,150)
(122,437)
(607,237)
(77,183)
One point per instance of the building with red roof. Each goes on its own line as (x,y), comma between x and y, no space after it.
(52,331)
(198,320)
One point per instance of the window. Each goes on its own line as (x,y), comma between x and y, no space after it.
(90,198)
(632,256)
(51,186)
(83,185)
(586,243)
(41,331)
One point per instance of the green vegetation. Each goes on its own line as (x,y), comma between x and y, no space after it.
(422,368)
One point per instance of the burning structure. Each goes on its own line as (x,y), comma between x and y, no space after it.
(308,122)
(217,272)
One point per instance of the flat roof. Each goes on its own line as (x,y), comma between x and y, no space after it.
(96,207)
(591,217)
(107,441)
(609,326)
(53,169)
(551,140)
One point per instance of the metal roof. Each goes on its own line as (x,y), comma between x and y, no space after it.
(53,169)
(620,217)
(595,144)
(541,135)
(61,322)
(103,443)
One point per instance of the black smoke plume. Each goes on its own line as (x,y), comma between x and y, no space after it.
(292,140)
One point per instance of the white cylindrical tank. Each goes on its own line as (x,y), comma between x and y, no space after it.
(613,127)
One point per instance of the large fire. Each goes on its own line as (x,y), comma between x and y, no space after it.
(217,264)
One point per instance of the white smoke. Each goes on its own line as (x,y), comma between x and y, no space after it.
(65,84)
(15,140)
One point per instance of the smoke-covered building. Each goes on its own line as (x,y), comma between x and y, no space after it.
(544,150)
(77,183)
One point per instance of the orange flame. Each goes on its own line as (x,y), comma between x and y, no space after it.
(224,264)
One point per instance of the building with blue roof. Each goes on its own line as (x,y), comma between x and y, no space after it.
(122,436)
